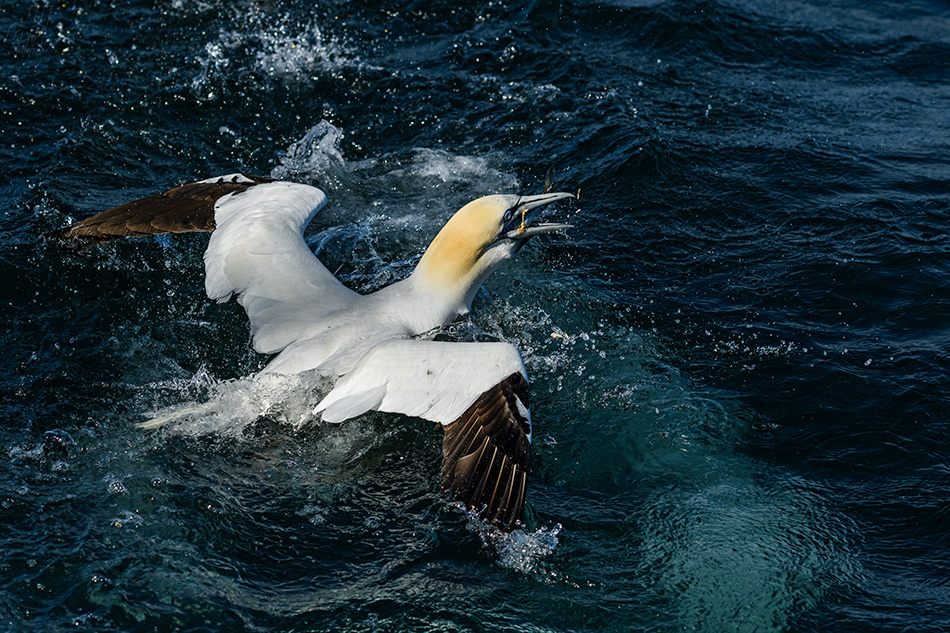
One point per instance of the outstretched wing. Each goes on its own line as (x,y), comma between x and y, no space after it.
(477,391)
(180,210)
(256,251)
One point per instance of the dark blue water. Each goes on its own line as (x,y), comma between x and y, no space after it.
(742,416)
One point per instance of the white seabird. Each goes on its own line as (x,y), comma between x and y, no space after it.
(367,344)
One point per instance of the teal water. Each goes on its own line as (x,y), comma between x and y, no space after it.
(738,356)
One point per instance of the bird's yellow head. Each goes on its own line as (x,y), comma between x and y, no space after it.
(479,237)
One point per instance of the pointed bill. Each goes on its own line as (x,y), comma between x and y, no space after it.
(529,208)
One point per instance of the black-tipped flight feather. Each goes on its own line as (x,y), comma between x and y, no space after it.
(486,453)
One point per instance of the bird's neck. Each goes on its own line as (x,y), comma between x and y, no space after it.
(450,263)
(451,269)
(454,266)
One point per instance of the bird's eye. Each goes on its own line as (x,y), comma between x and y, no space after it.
(509,215)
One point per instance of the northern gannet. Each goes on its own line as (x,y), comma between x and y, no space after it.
(368,344)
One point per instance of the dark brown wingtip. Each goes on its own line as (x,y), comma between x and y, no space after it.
(69,241)
(180,210)
(486,453)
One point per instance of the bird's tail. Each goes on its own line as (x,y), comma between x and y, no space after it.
(234,404)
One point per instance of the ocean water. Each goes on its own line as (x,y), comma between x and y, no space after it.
(738,356)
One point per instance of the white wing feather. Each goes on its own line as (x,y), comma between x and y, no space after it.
(433,380)
(257,251)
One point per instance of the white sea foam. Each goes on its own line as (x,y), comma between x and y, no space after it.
(427,178)
(447,167)
(211,64)
(451,179)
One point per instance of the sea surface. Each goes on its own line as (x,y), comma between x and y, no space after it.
(739,356)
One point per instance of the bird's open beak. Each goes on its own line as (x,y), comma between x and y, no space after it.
(528,212)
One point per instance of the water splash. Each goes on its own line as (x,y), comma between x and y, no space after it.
(315,156)
(230,406)
(524,551)
(297,51)
(272,47)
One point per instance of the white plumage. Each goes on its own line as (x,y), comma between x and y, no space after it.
(367,343)
(434,380)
